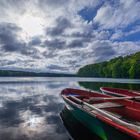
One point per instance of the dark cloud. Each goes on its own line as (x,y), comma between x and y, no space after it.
(76,44)
(57,67)
(10,43)
(104,51)
(55,44)
(8,37)
(82,35)
(29,51)
(85,36)
(11,47)
(7,62)
(62,24)
(74,63)
(49,54)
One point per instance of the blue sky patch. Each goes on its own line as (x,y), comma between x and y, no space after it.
(45,37)
(88,13)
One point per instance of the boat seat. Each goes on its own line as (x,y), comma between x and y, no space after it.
(107,105)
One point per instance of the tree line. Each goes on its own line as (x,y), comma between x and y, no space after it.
(120,67)
(14,73)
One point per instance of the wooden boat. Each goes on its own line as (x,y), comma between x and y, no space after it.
(120,92)
(109,118)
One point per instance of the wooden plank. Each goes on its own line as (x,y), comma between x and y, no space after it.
(113,118)
(107,105)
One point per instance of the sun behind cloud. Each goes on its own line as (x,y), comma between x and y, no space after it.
(31,25)
(64,35)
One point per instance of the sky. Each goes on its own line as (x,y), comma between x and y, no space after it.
(64,35)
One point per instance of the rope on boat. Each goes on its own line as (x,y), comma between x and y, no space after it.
(113,118)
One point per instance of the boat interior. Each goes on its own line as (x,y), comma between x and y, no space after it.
(117,108)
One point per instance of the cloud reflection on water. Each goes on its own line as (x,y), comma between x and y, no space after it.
(31,111)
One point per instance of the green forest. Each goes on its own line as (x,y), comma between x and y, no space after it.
(120,67)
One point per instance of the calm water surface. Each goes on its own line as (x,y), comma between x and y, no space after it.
(32,109)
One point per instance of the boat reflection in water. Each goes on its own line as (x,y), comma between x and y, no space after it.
(75,128)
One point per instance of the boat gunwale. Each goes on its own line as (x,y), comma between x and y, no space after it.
(103,119)
(116,93)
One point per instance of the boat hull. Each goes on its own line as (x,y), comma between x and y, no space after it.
(96,126)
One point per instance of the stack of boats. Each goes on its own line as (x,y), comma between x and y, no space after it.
(114,115)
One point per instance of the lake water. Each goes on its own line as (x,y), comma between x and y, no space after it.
(32,108)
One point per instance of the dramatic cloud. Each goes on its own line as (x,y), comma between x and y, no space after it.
(62,24)
(8,37)
(61,36)
(55,44)
(119,14)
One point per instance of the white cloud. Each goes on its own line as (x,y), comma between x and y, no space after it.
(127,47)
(118,15)
(52,35)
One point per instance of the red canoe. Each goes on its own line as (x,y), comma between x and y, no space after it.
(111,118)
(120,92)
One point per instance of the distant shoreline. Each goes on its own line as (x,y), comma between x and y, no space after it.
(14,73)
